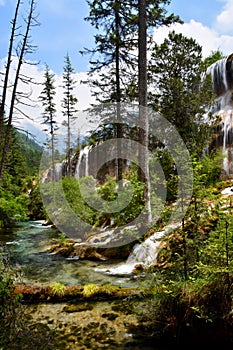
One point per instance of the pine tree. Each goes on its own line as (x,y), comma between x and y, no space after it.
(68,103)
(114,59)
(212,58)
(178,90)
(111,57)
(117,40)
(49,115)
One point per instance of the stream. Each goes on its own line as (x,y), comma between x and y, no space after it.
(27,247)
(97,325)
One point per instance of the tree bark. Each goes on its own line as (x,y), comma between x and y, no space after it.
(143,170)
(6,141)
(9,60)
(118,96)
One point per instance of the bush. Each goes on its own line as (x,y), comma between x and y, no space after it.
(12,209)
(17,331)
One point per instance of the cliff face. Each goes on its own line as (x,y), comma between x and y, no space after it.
(222,78)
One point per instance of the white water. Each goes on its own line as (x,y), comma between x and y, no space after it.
(144,253)
(28,246)
(227,191)
(222,78)
(82,168)
(102,239)
(46,177)
(58,171)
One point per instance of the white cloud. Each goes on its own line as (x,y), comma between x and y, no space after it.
(81,91)
(224,19)
(208,38)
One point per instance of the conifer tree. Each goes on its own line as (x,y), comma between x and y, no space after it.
(116,42)
(114,60)
(68,103)
(49,115)
(178,90)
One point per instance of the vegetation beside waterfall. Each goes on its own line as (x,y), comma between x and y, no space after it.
(187,292)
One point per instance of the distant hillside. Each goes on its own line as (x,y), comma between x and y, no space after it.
(31,152)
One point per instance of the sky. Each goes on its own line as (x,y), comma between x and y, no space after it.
(63,30)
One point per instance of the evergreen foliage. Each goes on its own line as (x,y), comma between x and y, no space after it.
(68,104)
(31,153)
(178,90)
(17,330)
(212,58)
(13,197)
(192,281)
(49,114)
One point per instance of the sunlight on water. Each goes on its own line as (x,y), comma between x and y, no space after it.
(27,246)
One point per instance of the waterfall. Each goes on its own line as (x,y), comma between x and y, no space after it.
(82,168)
(144,253)
(45,176)
(222,79)
(59,169)
(218,74)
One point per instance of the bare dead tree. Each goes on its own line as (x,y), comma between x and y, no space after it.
(8,65)
(24,47)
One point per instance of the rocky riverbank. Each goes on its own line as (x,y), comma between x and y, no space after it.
(92,325)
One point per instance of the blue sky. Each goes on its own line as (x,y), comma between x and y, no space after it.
(204,11)
(63,28)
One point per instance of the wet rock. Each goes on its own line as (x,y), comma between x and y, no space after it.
(51,321)
(77,307)
(74,250)
(138,268)
(96,328)
(111,316)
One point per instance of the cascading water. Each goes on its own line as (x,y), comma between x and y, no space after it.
(27,248)
(144,253)
(222,78)
(82,168)
(59,171)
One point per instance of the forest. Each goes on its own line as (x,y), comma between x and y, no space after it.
(172,177)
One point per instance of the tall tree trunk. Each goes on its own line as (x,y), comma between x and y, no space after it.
(68,135)
(118,96)
(53,157)
(143,170)
(6,78)
(6,141)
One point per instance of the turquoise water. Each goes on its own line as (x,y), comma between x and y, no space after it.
(27,248)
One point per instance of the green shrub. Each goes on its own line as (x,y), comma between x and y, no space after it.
(12,209)
(17,331)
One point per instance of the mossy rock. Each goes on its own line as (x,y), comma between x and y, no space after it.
(77,307)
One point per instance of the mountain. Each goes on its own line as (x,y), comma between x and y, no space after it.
(31,152)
